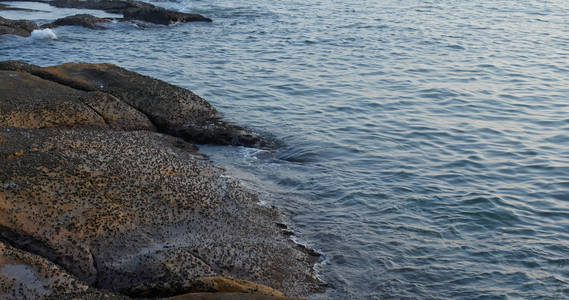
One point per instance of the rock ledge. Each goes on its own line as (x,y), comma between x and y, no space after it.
(98,198)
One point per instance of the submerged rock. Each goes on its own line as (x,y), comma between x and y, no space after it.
(84,20)
(139,213)
(171,109)
(17,27)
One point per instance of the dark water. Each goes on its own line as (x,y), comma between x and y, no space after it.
(424,144)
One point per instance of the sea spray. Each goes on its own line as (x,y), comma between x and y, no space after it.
(43,34)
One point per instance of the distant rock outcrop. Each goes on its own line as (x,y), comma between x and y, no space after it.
(134,10)
(130,9)
(18,27)
(161,16)
(84,20)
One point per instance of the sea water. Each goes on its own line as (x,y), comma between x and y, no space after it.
(423,146)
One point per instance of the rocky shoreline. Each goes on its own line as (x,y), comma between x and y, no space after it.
(104,194)
(130,9)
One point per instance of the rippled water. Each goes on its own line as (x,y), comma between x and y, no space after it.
(424,144)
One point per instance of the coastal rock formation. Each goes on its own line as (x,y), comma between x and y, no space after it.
(84,20)
(8,7)
(130,9)
(139,213)
(162,16)
(87,183)
(110,6)
(171,109)
(18,27)
(134,10)
(31,102)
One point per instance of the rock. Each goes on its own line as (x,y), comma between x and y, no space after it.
(8,7)
(138,213)
(28,101)
(18,27)
(27,276)
(134,10)
(226,296)
(172,110)
(110,6)
(161,16)
(133,212)
(84,20)
(221,285)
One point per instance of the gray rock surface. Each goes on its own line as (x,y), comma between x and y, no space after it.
(8,7)
(162,16)
(17,27)
(84,20)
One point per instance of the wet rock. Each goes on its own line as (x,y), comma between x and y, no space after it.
(218,285)
(8,7)
(28,101)
(27,276)
(225,296)
(161,16)
(173,110)
(134,10)
(17,27)
(84,20)
(110,6)
(135,213)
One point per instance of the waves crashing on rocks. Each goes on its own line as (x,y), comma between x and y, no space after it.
(43,34)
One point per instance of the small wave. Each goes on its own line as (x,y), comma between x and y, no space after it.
(43,34)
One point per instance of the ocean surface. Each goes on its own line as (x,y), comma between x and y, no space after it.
(423,145)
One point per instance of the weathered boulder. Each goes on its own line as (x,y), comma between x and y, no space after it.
(140,213)
(27,276)
(28,101)
(172,110)
(17,27)
(84,20)
(134,10)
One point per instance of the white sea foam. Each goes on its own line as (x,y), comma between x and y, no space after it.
(43,34)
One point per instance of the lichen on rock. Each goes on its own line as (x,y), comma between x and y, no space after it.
(90,188)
